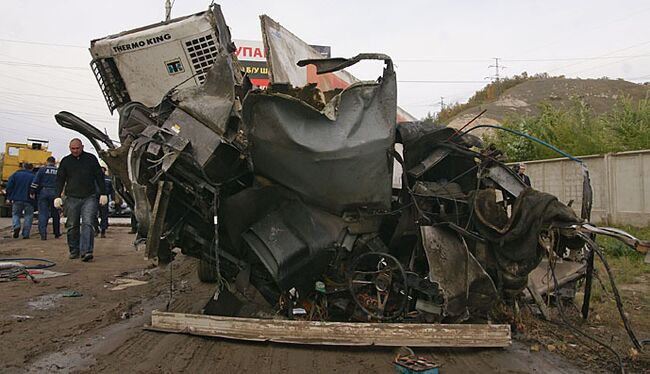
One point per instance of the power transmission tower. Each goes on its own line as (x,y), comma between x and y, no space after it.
(497,74)
(442,103)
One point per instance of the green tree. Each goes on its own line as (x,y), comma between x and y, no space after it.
(576,130)
(629,124)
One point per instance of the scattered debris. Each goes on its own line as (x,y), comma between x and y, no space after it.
(45,274)
(45,302)
(411,364)
(71,293)
(20,317)
(10,271)
(15,268)
(124,283)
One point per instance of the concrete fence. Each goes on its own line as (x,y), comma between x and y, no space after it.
(620,182)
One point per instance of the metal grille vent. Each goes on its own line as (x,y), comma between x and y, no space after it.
(111,83)
(202,52)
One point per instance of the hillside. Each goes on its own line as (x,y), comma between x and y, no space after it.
(524,99)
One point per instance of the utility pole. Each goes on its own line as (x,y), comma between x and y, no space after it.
(168,10)
(497,74)
(442,103)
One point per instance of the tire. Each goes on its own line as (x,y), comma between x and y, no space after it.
(207,271)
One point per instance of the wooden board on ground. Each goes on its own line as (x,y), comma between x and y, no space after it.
(334,333)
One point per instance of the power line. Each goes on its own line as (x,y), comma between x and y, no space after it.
(452,60)
(57,104)
(572,58)
(41,43)
(48,115)
(601,65)
(553,59)
(26,129)
(43,85)
(34,65)
(603,55)
(437,81)
(421,105)
(441,60)
(80,77)
(51,108)
(601,25)
(49,96)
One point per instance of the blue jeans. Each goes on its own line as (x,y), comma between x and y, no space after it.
(19,209)
(81,215)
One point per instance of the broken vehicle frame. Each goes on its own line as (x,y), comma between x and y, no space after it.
(289,189)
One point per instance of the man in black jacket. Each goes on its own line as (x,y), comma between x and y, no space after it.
(521,171)
(79,173)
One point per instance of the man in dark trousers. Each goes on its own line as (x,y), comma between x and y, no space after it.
(21,203)
(79,172)
(103,209)
(44,188)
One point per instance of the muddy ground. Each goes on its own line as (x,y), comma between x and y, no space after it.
(101,330)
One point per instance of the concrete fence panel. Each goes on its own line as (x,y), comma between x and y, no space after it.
(620,182)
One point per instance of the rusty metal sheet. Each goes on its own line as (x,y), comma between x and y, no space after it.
(430,161)
(334,333)
(212,103)
(447,256)
(505,178)
(639,245)
(541,278)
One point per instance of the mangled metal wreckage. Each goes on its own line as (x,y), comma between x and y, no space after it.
(291,188)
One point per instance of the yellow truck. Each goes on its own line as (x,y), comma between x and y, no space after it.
(15,154)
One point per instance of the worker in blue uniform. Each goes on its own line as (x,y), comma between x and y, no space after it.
(44,189)
(21,203)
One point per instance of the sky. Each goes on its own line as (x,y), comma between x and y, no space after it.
(441,49)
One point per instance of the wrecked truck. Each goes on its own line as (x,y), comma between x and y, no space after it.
(317,191)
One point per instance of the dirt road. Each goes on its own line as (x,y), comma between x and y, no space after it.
(101,330)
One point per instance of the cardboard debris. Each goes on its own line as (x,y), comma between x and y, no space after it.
(123,283)
(44,274)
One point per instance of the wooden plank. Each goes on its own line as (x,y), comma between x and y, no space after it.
(334,333)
